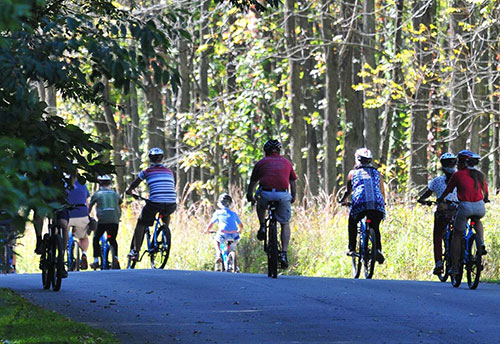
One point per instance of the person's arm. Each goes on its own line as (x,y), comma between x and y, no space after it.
(293,190)
(349,187)
(250,191)
(134,185)
(449,188)
(240,226)
(427,193)
(209,227)
(382,188)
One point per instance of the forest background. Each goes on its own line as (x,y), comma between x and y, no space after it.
(210,81)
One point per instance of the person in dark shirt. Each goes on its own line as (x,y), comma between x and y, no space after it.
(277,182)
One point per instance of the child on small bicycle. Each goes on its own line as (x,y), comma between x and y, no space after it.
(229,225)
(445,211)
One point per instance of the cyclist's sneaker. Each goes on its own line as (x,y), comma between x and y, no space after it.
(83,263)
(350,253)
(133,255)
(483,250)
(64,273)
(115,265)
(283,260)
(261,234)
(94,265)
(438,269)
(380,257)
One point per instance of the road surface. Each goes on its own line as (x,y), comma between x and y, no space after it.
(167,306)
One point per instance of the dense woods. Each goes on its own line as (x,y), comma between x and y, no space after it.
(210,81)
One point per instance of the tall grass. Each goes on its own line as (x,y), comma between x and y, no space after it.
(318,246)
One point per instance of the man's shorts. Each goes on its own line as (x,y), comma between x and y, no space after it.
(150,210)
(79,225)
(284,211)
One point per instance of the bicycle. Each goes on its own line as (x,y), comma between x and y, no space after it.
(106,250)
(7,243)
(158,244)
(228,257)
(52,257)
(271,244)
(470,257)
(74,253)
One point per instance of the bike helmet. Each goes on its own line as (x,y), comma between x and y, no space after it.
(104,178)
(224,200)
(155,154)
(363,155)
(471,158)
(272,146)
(448,160)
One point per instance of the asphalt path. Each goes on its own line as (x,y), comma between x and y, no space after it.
(168,306)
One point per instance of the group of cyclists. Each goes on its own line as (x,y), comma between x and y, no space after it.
(460,194)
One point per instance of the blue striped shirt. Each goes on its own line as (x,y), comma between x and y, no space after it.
(161,183)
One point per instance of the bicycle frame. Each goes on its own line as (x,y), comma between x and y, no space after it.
(105,247)
(226,248)
(362,231)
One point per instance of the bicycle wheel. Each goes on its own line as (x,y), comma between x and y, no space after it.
(457,279)
(356,257)
(231,262)
(58,254)
(370,255)
(443,276)
(44,263)
(272,251)
(161,252)
(74,257)
(474,265)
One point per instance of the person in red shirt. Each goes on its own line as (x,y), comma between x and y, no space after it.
(472,192)
(276,177)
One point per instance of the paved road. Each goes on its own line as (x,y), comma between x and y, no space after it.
(145,306)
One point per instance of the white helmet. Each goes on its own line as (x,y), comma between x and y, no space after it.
(363,153)
(104,178)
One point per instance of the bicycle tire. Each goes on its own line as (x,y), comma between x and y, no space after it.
(44,263)
(58,247)
(159,258)
(74,254)
(474,265)
(231,262)
(443,277)
(370,255)
(272,251)
(457,279)
(356,257)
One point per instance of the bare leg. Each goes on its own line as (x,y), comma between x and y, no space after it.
(84,243)
(285,236)
(217,249)
(480,231)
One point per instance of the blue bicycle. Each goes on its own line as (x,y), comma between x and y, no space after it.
(365,253)
(74,253)
(158,243)
(227,259)
(470,257)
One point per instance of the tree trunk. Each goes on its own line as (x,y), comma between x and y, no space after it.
(371,120)
(459,122)
(392,109)
(330,122)
(51,100)
(421,107)
(353,110)
(297,134)
(203,67)
(116,140)
(134,131)
(156,124)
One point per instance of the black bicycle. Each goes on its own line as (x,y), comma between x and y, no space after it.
(470,257)
(158,243)
(271,243)
(52,257)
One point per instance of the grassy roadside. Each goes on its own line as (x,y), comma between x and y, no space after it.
(23,322)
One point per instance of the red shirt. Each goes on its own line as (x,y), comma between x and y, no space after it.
(465,186)
(273,172)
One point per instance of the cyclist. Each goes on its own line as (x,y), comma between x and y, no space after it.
(162,196)
(228,223)
(367,188)
(79,217)
(8,238)
(446,210)
(275,176)
(107,202)
(472,192)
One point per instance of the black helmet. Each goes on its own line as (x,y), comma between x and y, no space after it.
(272,146)
(224,200)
